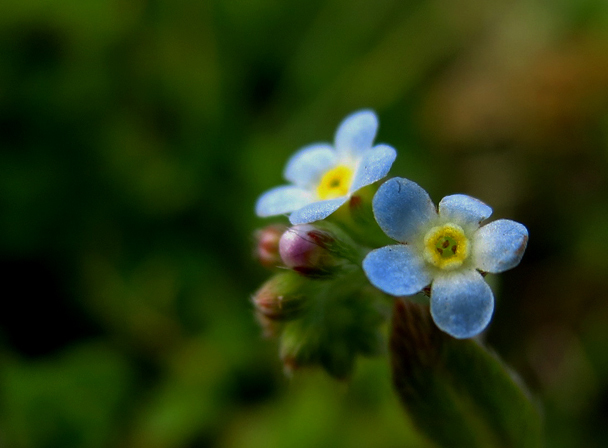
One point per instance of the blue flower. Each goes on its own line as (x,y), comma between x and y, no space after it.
(323,177)
(446,248)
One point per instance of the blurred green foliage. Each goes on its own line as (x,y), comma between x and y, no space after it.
(135,137)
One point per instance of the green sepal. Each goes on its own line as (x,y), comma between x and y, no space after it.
(357,218)
(342,322)
(284,296)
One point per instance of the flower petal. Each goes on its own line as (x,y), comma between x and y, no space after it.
(499,245)
(398,270)
(356,133)
(464,210)
(401,207)
(316,211)
(462,303)
(280,200)
(373,166)
(306,166)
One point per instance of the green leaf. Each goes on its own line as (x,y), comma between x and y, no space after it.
(457,392)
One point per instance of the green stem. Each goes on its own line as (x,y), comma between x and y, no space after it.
(455,391)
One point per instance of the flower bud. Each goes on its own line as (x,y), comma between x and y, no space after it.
(270,328)
(313,251)
(267,245)
(282,297)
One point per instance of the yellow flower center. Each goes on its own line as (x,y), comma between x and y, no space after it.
(335,182)
(446,246)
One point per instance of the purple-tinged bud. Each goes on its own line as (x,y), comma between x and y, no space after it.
(282,297)
(314,251)
(267,245)
(304,248)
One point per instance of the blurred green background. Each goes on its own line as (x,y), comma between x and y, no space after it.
(135,136)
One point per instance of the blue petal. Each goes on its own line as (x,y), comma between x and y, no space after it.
(282,200)
(306,166)
(401,208)
(462,303)
(398,270)
(373,166)
(499,245)
(356,133)
(464,210)
(316,211)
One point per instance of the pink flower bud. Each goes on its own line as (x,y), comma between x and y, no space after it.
(308,250)
(267,245)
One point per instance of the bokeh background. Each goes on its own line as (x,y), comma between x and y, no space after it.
(135,136)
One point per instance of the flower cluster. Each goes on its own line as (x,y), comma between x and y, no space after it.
(329,305)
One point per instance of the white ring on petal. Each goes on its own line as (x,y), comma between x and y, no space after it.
(373,166)
(462,303)
(402,208)
(356,133)
(499,245)
(397,270)
(280,200)
(308,165)
(464,210)
(316,210)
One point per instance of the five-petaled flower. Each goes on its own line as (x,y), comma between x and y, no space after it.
(324,177)
(446,248)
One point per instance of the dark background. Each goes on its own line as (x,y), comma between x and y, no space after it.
(135,137)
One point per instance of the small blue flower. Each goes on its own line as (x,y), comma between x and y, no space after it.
(444,247)
(324,177)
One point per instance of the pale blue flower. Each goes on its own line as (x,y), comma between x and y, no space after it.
(445,248)
(323,177)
